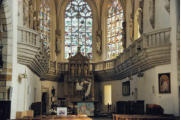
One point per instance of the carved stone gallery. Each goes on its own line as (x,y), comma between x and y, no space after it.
(89,59)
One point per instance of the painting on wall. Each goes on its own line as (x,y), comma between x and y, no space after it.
(164,83)
(126,88)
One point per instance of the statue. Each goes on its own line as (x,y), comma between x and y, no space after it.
(167,5)
(25,13)
(84,88)
(124,34)
(131,29)
(58,36)
(98,42)
(31,12)
(138,17)
(152,13)
(1,27)
(53,91)
(36,20)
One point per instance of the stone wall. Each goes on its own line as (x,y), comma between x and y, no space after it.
(5,41)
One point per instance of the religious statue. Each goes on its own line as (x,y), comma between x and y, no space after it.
(1,27)
(167,5)
(26,13)
(98,42)
(139,18)
(36,20)
(31,12)
(152,13)
(84,88)
(131,29)
(58,36)
(72,70)
(53,91)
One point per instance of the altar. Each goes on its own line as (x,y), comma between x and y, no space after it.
(79,85)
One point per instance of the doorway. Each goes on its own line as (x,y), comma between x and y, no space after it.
(44,102)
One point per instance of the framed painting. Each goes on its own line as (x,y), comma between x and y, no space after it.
(126,88)
(62,111)
(164,83)
(85,108)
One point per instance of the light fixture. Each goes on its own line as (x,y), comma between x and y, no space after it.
(21,76)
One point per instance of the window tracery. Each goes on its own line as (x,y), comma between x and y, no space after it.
(114,29)
(78,28)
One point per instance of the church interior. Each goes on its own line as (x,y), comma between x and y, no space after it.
(90,59)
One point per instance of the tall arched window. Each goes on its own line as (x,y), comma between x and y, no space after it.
(45,23)
(78,28)
(114,29)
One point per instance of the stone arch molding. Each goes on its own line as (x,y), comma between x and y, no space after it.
(60,27)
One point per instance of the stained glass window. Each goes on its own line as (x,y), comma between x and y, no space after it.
(78,28)
(45,24)
(114,29)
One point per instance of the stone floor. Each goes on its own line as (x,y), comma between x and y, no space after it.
(102,118)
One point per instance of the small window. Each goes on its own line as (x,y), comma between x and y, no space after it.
(107,95)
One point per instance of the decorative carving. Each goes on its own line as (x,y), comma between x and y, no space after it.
(98,42)
(167,5)
(78,81)
(152,13)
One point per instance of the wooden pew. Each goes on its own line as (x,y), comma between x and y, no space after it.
(140,117)
(55,117)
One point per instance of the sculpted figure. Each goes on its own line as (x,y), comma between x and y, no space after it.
(131,29)
(31,11)
(167,5)
(98,42)
(25,13)
(152,13)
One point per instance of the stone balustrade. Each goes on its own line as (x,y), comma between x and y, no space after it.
(31,51)
(157,38)
(150,50)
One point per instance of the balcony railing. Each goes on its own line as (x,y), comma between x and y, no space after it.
(148,40)
(29,37)
(31,51)
(32,54)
